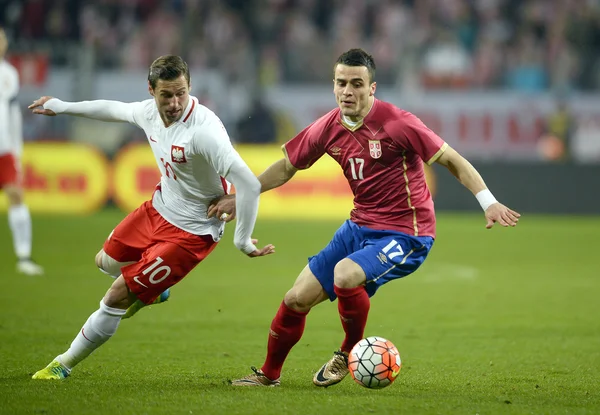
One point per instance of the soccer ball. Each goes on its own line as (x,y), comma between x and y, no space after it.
(374,362)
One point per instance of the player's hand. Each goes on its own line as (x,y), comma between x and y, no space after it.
(40,103)
(222,208)
(267,250)
(501,214)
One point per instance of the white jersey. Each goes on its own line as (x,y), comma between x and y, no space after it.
(11,139)
(194,156)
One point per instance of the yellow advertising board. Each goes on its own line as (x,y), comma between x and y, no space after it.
(320,192)
(76,178)
(135,176)
(61,177)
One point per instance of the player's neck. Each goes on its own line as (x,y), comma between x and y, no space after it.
(168,123)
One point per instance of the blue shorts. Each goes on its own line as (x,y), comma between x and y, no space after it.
(383,255)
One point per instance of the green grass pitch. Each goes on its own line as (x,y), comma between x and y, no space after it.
(505,321)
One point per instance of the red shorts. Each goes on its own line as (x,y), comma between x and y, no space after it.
(8,170)
(164,254)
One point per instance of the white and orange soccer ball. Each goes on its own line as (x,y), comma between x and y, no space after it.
(374,362)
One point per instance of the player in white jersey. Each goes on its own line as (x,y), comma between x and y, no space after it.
(159,243)
(11,142)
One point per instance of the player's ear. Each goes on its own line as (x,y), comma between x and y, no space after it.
(150,90)
(373,88)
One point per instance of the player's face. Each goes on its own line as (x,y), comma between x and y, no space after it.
(171,98)
(353,91)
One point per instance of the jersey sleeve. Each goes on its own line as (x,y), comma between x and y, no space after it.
(213,143)
(246,204)
(307,147)
(102,110)
(419,138)
(141,112)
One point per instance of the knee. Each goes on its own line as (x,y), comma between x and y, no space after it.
(107,265)
(298,300)
(348,274)
(99,259)
(14,195)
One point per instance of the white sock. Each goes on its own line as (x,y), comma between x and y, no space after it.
(19,221)
(96,331)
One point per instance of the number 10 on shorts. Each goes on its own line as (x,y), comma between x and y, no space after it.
(159,274)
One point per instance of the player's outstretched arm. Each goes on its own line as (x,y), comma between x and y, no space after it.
(274,176)
(266,250)
(37,107)
(472,180)
(277,174)
(102,110)
(248,193)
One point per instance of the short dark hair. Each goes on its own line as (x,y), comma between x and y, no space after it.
(168,68)
(358,57)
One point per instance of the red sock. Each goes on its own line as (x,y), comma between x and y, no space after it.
(353,306)
(286,330)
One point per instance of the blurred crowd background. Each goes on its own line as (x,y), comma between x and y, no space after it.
(517,44)
(246,47)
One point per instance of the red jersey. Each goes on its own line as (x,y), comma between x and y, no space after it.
(382,158)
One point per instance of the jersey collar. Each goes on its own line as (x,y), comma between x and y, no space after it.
(189,110)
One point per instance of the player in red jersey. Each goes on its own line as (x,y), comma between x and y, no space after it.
(381,149)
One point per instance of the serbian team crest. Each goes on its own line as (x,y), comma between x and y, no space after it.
(375,148)
(178,154)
